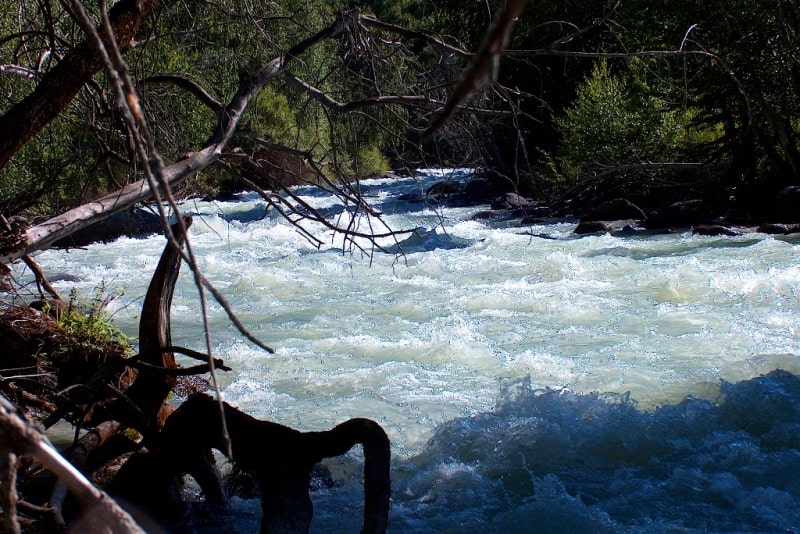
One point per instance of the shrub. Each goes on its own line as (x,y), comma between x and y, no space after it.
(88,325)
(619,119)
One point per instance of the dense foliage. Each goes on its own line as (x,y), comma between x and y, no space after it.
(610,97)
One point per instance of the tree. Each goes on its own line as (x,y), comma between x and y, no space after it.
(353,46)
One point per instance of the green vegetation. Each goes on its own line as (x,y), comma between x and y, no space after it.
(616,127)
(88,325)
(588,94)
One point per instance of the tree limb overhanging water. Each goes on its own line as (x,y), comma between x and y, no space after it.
(370,45)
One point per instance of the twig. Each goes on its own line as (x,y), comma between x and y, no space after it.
(8,490)
(485,64)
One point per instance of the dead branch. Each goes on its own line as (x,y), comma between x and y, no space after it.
(150,390)
(100,512)
(185,83)
(8,489)
(430,39)
(20,71)
(346,107)
(79,456)
(599,169)
(15,245)
(485,64)
(181,371)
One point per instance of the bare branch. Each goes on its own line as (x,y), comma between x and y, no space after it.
(22,72)
(347,107)
(14,246)
(430,39)
(17,435)
(185,83)
(602,169)
(485,64)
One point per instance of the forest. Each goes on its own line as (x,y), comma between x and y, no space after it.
(689,107)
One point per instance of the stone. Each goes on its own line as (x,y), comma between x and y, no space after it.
(618,209)
(715,230)
(592,227)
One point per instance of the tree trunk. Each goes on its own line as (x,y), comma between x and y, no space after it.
(150,390)
(59,86)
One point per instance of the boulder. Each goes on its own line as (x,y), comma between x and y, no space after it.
(511,201)
(592,227)
(778,229)
(786,207)
(441,190)
(482,189)
(618,209)
(680,214)
(714,230)
(537,213)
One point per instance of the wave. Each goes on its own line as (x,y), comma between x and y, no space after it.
(548,460)
(553,460)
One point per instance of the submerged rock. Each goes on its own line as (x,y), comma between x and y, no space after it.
(775,229)
(424,240)
(715,230)
(592,227)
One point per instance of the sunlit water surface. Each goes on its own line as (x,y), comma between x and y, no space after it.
(529,381)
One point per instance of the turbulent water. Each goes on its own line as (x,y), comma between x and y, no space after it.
(529,380)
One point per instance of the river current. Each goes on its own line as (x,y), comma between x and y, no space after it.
(529,380)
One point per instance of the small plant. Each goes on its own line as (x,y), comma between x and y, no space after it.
(89,325)
(371,162)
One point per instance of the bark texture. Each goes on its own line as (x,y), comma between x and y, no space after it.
(152,385)
(59,85)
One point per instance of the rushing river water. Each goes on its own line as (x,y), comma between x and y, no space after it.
(529,380)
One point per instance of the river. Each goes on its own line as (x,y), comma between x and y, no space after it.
(529,380)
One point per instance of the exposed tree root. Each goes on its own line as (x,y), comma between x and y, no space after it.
(280,457)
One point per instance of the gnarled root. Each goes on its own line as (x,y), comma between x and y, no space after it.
(281,458)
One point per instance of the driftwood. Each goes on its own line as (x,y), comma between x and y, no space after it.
(17,436)
(280,457)
(147,396)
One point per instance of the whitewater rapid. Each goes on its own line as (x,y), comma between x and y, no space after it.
(529,380)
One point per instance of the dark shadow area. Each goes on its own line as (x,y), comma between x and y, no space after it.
(557,461)
(549,460)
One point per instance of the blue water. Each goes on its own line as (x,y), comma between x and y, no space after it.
(529,380)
